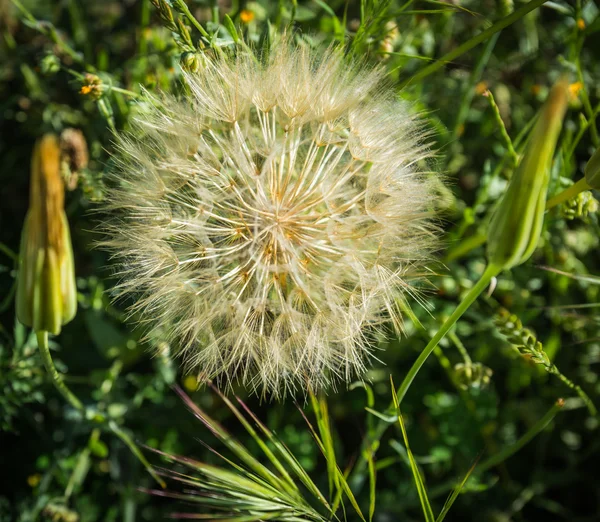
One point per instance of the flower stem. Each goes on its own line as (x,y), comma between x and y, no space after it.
(188,14)
(372,442)
(568,193)
(465,246)
(514,158)
(576,388)
(490,272)
(129,442)
(57,379)
(507,452)
(49,31)
(59,384)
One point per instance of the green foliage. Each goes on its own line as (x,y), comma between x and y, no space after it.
(21,376)
(524,432)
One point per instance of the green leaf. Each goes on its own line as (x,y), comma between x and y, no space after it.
(229,25)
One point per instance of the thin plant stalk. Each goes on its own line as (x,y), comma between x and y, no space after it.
(489,273)
(71,398)
(57,379)
(568,193)
(514,158)
(531,433)
(372,443)
(509,451)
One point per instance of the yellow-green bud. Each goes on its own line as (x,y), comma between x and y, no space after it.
(46,293)
(190,62)
(592,170)
(516,224)
(50,64)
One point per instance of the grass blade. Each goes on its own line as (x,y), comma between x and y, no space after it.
(421,490)
(325,443)
(454,495)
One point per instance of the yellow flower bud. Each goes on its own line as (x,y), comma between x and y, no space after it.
(46,294)
(516,224)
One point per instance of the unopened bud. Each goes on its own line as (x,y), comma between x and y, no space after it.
(50,64)
(516,224)
(46,293)
(190,62)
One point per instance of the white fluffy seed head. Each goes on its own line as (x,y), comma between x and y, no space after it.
(270,222)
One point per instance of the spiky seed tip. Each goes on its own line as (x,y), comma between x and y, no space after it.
(270,222)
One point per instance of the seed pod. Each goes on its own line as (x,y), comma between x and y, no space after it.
(592,170)
(46,294)
(516,224)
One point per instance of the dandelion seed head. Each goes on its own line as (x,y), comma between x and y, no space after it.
(270,221)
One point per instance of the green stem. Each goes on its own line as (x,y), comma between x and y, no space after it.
(465,246)
(144,22)
(9,252)
(114,427)
(507,452)
(81,466)
(59,384)
(490,272)
(49,31)
(184,9)
(460,347)
(588,107)
(568,193)
(124,91)
(501,456)
(476,40)
(498,117)
(57,379)
(577,389)
(372,443)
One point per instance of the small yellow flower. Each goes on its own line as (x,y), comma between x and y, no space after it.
(580,24)
(246,16)
(574,89)
(92,86)
(481,88)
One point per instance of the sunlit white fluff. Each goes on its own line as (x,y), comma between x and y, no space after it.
(270,221)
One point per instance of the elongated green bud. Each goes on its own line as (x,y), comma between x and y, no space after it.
(46,294)
(516,224)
